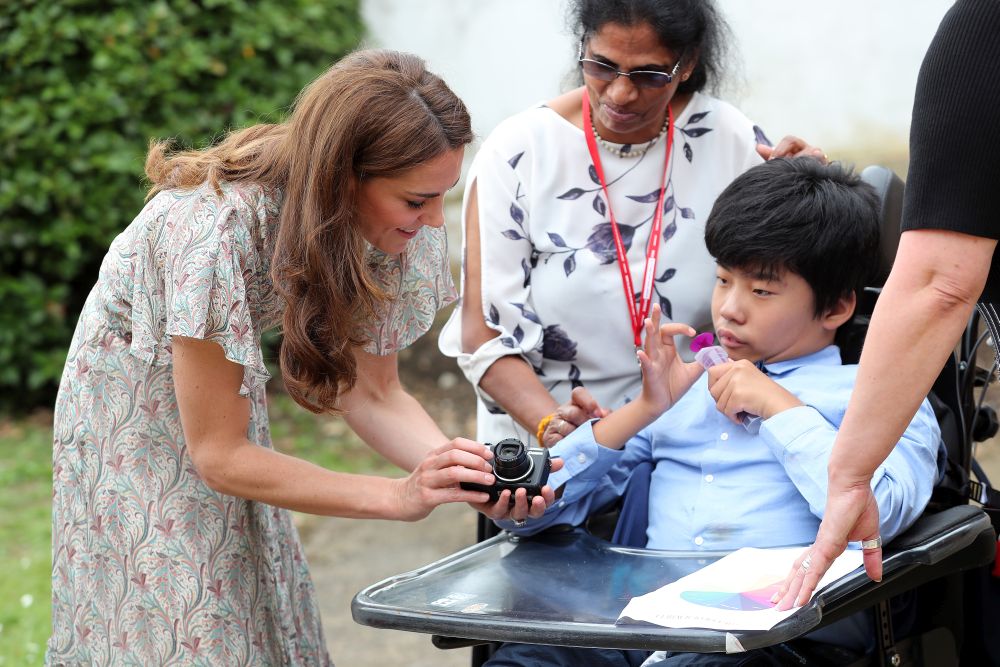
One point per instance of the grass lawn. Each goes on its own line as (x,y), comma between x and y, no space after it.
(25,529)
(25,510)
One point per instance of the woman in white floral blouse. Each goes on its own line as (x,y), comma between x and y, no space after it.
(168,543)
(625,167)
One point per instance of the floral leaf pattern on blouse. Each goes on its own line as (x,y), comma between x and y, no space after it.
(666,307)
(572,193)
(517,215)
(693,132)
(601,241)
(526,267)
(569,264)
(556,345)
(647,198)
(599,205)
(574,376)
(526,313)
(669,230)
(592,171)
(760,136)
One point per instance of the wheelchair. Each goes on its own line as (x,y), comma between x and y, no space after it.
(567,586)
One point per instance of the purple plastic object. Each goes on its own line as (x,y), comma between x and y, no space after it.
(709,355)
(702,340)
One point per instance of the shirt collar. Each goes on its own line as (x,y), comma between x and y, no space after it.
(828,356)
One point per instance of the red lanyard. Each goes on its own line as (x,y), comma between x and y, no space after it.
(637,316)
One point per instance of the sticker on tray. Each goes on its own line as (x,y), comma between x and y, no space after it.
(450,599)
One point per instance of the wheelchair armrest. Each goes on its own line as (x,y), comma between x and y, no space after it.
(956,539)
(568,588)
(930,526)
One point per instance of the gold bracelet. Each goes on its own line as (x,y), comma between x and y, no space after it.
(542,425)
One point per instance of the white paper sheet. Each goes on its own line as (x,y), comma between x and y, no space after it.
(732,593)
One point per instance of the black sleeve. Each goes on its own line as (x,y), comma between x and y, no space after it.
(954,175)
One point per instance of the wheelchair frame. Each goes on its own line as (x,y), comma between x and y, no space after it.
(495,590)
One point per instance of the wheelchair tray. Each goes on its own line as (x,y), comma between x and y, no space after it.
(568,587)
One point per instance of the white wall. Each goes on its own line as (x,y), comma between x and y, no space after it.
(838,73)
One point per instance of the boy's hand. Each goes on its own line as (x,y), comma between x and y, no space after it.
(665,376)
(581,407)
(738,386)
(520,509)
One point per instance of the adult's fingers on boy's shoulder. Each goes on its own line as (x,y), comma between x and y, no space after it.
(789,145)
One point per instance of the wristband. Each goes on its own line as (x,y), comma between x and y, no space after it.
(542,425)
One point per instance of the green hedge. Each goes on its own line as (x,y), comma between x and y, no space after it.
(84,85)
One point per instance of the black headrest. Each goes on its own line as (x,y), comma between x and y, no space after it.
(889,187)
(890,191)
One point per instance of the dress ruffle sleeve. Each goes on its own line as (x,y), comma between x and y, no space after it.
(199,276)
(418,282)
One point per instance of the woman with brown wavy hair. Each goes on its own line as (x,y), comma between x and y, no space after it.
(168,544)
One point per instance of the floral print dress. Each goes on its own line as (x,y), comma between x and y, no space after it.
(149,565)
(551,285)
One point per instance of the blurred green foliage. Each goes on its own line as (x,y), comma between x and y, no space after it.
(84,86)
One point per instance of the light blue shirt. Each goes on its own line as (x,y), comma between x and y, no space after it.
(716,487)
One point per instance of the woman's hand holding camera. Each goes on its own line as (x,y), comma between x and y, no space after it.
(520,510)
(436,480)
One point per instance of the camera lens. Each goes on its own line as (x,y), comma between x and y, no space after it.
(510,460)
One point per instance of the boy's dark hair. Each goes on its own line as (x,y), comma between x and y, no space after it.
(818,221)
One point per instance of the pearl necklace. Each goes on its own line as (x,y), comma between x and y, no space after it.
(629,150)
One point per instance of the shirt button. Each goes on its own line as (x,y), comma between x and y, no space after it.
(709,478)
(582,458)
(724,436)
(699,540)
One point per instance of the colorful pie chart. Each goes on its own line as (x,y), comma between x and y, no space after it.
(754,600)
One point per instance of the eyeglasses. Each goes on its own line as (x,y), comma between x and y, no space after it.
(639,78)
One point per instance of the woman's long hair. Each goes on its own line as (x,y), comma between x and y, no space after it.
(375,113)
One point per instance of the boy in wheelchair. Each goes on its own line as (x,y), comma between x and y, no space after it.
(794,241)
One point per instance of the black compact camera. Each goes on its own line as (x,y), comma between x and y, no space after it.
(515,466)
